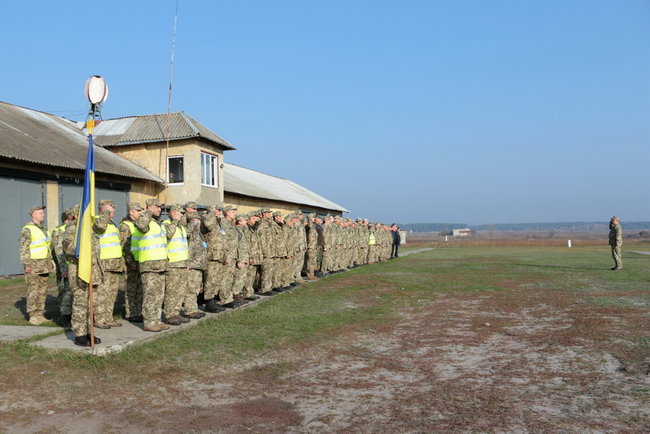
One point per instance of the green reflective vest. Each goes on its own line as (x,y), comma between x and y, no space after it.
(136,235)
(40,244)
(109,243)
(152,245)
(177,249)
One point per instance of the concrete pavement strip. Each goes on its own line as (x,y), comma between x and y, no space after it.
(116,339)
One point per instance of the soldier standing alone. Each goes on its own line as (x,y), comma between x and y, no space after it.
(35,255)
(616,241)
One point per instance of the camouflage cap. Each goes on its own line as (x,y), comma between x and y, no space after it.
(193,215)
(277,213)
(229,208)
(154,201)
(241,217)
(35,207)
(176,207)
(107,202)
(265,210)
(75,210)
(614,218)
(135,205)
(191,204)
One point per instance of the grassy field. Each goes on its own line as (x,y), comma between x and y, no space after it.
(457,338)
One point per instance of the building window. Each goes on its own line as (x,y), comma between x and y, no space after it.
(209,170)
(175,170)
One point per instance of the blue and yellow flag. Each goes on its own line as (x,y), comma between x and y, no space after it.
(84,246)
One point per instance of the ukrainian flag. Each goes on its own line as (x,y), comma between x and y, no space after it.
(84,245)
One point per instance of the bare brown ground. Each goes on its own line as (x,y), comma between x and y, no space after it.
(534,362)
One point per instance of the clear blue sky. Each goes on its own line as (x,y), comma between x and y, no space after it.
(414,111)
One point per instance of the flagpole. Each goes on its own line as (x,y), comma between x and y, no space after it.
(96,92)
(91,308)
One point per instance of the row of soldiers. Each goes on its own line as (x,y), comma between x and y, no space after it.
(213,258)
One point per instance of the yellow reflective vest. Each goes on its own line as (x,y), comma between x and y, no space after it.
(39,247)
(371,239)
(109,243)
(136,235)
(177,249)
(153,244)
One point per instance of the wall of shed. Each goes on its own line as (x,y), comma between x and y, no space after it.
(153,157)
(246,204)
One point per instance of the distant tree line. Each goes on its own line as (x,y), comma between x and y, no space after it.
(528,227)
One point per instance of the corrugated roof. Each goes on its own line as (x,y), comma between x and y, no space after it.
(43,138)
(248,182)
(153,128)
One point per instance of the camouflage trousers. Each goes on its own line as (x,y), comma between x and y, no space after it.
(266,274)
(176,288)
(298,262)
(105,296)
(64,297)
(326,261)
(218,281)
(311,261)
(194,288)
(280,278)
(36,293)
(238,281)
(153,294)
(249,282)
(362,256)
(80,308)
(133,295)
(616,254)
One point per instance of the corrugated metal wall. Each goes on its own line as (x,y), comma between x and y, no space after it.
(18,195)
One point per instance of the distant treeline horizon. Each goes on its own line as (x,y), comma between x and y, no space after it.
(528,227)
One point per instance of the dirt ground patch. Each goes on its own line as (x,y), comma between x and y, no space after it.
(462,362)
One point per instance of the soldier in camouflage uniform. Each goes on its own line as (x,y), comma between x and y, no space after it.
(112,264)
(242,259)
(282,253)
(301,255)
(81,315)
(265,230)
(226,291)
(177,275)
(197,263)
(255,256)
(215,238)
(311,257)
(328,243)
(133,294)
(34,243)
(152,258)
(60,261)
(616,242)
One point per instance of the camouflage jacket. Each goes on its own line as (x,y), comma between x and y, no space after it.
(57,249)
(280,240)
(170,227)
(99,227)
(266,233)
(254,245)
(615,235)
(125,238)
(215,237)
(142,223)
(38,266)
(198,247)
(242,251)
(70,244)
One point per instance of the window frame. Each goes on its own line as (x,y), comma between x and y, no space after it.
(168,167)
(215,168)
